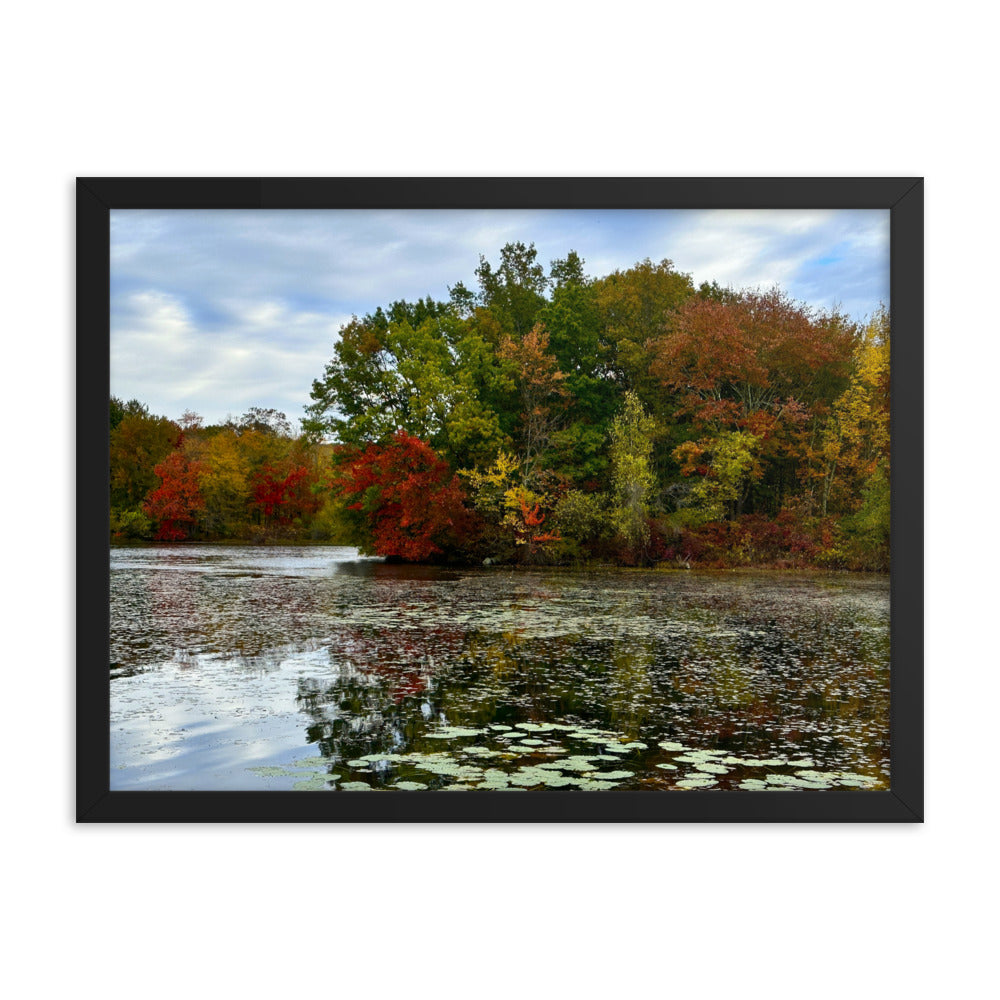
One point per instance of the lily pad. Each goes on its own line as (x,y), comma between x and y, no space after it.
(311,762)
(696,783)
(857,779)
(571,764)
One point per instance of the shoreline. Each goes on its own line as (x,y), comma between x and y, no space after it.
(658,567)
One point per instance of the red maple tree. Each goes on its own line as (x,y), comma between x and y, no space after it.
(284,496)
(177,501)
(413,503)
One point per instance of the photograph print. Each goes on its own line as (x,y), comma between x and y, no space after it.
(500,500)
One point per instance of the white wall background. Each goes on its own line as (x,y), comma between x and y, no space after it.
(515,88)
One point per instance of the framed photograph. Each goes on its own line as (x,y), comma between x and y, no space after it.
(523,499)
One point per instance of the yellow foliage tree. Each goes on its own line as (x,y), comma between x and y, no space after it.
(854,444)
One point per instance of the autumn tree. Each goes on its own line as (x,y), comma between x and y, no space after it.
(409,501)
(540,386)
(760,364)
(635,307)
(853,448)
(224,483)
(731,360)
(265,420)
(118,411)
(138,443)
(726,466)
(177,502)
(284,494)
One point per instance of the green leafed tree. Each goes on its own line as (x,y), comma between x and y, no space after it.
(727,466)
(632,478)
(419,370)
(513,292)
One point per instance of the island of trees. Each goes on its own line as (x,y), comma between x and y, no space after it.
(632,419)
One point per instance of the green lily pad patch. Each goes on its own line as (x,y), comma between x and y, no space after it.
(313,784)
(273,772)
(696,783)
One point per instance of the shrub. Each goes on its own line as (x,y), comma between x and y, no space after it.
(130,524)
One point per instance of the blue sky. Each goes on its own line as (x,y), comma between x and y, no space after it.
(218,311)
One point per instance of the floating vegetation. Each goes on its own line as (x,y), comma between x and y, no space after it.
(312,784)
(852,780)
(706,782)
(310,762)
(498,762)
(420,679)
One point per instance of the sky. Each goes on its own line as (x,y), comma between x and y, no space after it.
(217,311)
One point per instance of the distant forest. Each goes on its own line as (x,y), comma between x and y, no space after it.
(550,418)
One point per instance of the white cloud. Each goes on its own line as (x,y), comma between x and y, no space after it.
(266,355)
(219,311)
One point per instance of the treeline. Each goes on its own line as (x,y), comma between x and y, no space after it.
(249,479)
(554,417)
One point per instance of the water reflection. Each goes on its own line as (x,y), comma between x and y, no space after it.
(306,667)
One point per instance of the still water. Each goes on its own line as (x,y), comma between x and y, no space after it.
(311,668)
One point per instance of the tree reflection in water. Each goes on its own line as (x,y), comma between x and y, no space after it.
(661,680)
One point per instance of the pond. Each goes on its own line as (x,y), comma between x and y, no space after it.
(280,668)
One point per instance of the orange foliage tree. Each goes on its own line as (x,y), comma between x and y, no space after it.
(539,382)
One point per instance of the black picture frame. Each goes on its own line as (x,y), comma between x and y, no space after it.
(96,197)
